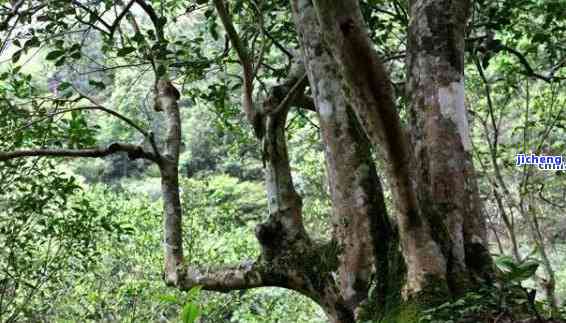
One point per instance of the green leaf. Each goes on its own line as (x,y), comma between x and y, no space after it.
(514,272)
(125,51)
(190,313)
(76,55)
(168,299)
(524,271)
(106,226)
(97,84)
(194,293)
(505,263)
(75,47)
(63,86)
(212,29)
(60,62)
(54,55)
(162,21)
(138,38)
(16,56)
(33,42)
(541,37)
(161,70)
(92,17)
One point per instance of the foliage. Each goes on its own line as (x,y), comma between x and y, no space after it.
(117,276)
(507,299)
(48,229)
(190,310)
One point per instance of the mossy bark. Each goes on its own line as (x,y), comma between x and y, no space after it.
(360,222)
(441,231)
(445,176)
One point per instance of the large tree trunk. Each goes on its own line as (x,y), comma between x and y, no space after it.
(446,182)
(369,90)
(361,226)
(442,234)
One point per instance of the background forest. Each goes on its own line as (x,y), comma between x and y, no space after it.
(81,239)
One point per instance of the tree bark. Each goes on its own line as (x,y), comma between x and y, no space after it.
(166,99)
(368,86)
(133,151)
(442,232)
(446,181)
(360,222)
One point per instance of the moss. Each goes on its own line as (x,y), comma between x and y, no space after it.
(315,263)
(409,312)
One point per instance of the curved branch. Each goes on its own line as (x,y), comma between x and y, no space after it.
(14,12)
(96,107)
(292,94)
(121,117)
(548,201)
(529,70)
(251,113)
(154,19)
(277,44)
(134,152)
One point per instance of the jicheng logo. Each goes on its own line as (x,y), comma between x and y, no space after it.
(543,162)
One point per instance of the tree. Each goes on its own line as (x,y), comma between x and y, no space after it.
(431,246)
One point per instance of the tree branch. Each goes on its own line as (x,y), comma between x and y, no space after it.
(90,25)
(277,44)
(108,68)
(97,107)
(15,12)
(293,93)
(496,46)
(244,276)
(253,116)
(154,19)
(116,22)
(98,18)
(134,152)
(112,112)
(523,60)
